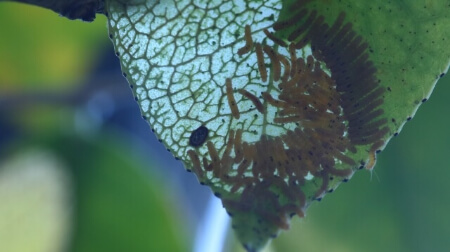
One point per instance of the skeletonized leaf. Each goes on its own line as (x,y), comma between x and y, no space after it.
(273,103)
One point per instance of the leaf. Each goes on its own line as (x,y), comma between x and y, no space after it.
(117,206)
(274,103)
(35,191)
(60,54)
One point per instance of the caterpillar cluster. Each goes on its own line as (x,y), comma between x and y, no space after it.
(345,54)
(278,165)
(333,114)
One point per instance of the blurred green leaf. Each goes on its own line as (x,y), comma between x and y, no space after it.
(35,194)
(111,204)
(40,49)
(118,206)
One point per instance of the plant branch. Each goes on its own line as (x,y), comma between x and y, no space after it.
(71,9)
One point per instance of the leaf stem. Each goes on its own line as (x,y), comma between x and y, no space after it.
(72,9)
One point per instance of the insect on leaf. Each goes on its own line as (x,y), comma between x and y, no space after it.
(273,103)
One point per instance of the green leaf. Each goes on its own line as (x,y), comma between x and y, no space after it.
(274,103)
(117,206)
(60,54)
(35,191)
(63,193)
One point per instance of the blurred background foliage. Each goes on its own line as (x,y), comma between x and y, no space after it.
(55,48)
(65,106)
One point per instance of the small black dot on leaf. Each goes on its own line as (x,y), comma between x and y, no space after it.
(198,136)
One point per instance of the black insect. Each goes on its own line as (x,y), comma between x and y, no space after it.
(198,136)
